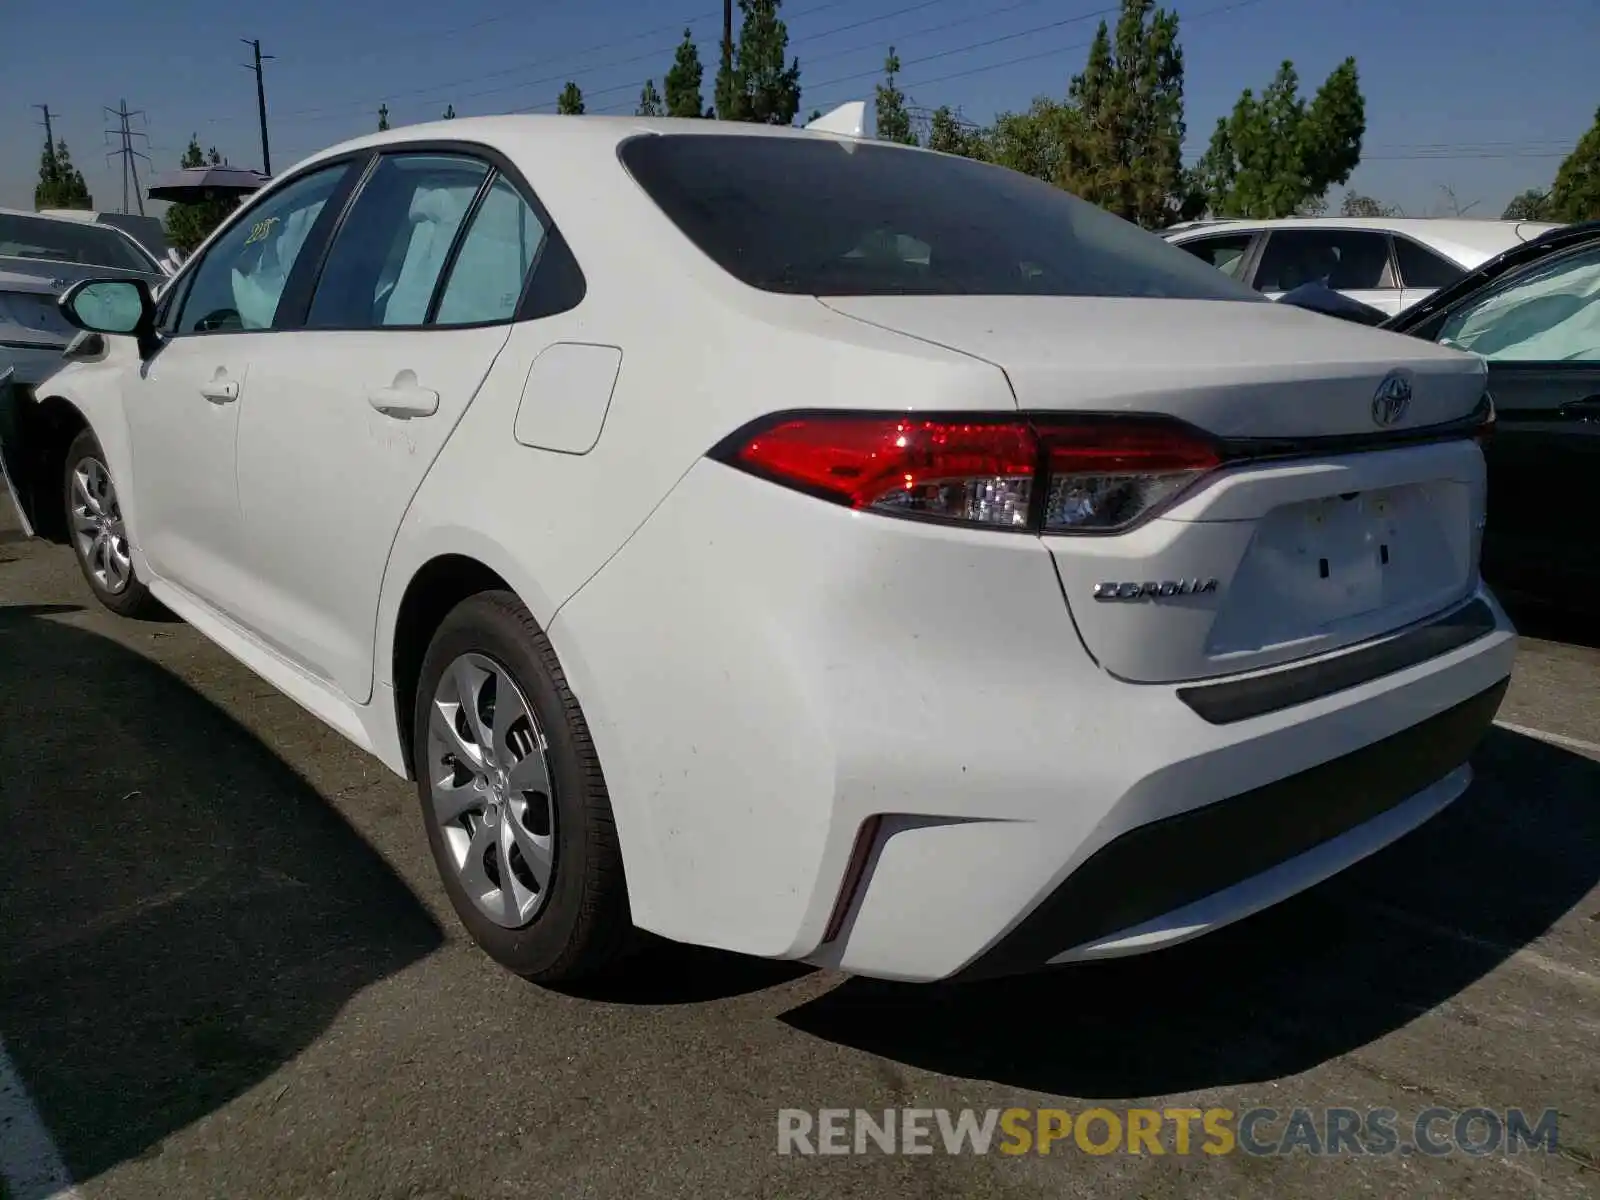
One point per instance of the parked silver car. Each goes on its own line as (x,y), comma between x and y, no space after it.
(40,257)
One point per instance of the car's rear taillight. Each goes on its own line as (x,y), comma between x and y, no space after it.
(1052,475)
(1107,475)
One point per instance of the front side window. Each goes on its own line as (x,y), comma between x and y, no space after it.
(1346,260)
(69,241)
(391,248)
(1549,314)
(824,217)
(238,284)
(1224,251)
(493,263)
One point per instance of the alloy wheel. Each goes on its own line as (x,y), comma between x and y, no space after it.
(489,783)
(98,533)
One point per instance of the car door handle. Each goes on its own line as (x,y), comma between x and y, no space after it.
(220,391)
(404,400)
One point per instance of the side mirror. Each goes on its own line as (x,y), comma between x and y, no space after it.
(116,306)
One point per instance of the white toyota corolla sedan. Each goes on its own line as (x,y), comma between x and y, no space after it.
(797,544)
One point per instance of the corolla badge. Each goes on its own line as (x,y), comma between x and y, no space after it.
(1157,590)
(1392,399)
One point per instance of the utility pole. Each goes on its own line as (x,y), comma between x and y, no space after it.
(261,100)
(129,156)
(727,40)
(49,134)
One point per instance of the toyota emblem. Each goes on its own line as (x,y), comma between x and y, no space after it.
(1392,399)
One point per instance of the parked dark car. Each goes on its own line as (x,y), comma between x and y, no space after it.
(1533,313)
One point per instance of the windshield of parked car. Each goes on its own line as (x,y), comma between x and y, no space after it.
(833,217)
(70,241)
(1548,314)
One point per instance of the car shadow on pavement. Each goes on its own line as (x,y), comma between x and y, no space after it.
(180,913)
(666,973)
(1324,974)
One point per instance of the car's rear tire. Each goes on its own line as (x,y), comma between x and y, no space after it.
(95,529)
(531,808)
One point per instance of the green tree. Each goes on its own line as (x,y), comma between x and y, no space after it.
(649,101)
(762,90)
(948,135)
(1037,142)
(1575,195)
(1355,204)
(1126,154)
(1275,152)
(1531,205)
(449,113)
(188,224)
(894,122)
(383,117)
(570,102)
(60,184)
(683,82)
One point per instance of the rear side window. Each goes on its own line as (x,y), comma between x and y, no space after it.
(391,248)
(1346,260)
(1422,268)
(825,217)
(1225,251)
(493,262)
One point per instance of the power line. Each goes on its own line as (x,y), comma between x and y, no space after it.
(875,72)
(812,88)
(880,44)
(349,108)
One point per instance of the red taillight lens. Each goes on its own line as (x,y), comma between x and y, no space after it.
(978,471)
(1083,475)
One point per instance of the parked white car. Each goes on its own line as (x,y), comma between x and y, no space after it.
(799,544)
(1389,263)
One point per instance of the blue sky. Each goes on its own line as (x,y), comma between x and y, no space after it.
(1479,96)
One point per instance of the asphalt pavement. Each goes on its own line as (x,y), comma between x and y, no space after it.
(227,970)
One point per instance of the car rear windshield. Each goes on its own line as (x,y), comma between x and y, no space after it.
(69,241)
(822,216)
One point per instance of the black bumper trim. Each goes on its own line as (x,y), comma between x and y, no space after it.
(1241,699)
(1156,868)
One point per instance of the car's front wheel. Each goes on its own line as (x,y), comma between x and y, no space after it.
(97,531)
(513,799)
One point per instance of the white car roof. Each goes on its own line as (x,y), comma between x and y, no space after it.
(1468,241)
(571,163)
(589,131)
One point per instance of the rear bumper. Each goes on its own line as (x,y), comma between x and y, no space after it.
(764,675)
(1173,879)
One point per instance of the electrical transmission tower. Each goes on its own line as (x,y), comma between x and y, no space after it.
(125,133)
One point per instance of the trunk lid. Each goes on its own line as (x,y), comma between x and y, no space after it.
(1262,562)
(1237,369)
